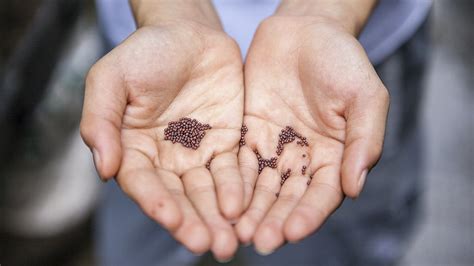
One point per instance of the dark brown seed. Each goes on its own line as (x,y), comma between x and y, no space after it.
(208,164)
(309,181)
(303,170)
(189,132)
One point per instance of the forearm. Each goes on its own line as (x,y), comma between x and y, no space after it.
(349,14)
(154,12)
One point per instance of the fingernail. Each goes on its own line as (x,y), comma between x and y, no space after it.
(97,162)
(233,221)
(361,181)
(224,260)
(96,155)
(246,244)
(263,252)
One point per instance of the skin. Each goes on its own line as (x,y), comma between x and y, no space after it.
(172,67)
(306,69)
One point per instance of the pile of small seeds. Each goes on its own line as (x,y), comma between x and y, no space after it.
(262,163)
(208,163)
(243,131)
(288,135)
(189,132)
(284,176)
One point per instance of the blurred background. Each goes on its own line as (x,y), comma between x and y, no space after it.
(48,186)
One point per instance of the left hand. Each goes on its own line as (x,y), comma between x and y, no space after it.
(313,75)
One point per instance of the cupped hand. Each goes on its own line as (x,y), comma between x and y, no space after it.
(158,75)
(315,77)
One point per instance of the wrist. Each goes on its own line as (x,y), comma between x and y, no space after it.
(157,12)
(349,15)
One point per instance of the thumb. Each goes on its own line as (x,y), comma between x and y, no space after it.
(365,128)
(104,105)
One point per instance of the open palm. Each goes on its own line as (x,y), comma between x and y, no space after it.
(159,75)
(316,79)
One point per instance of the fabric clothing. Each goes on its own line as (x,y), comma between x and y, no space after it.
(392,23)
(369,231)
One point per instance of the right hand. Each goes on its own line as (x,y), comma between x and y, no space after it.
(159,74)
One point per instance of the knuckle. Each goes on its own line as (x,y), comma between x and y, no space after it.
(273,222)
(376,152)
(133,182)
(249,169)
(269,23)
(86,131)
(92,75)
(229,41)
(334,190)
(384,95)
(255,214)
(124,182)
(226,171)
(304,209)
(265,24)
(289,198)
(98,72)
(201,189)
(264,189)
(248,184)
(155,208)
(229,186)
(176,192)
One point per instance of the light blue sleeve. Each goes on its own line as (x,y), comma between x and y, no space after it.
(392,23)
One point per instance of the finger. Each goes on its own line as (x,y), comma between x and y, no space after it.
(268,184)
(199,188)
(229,185)
(104,105)
(319,201)
(248,164)
(365,131)
(192,232)
(269,234)
(138,180)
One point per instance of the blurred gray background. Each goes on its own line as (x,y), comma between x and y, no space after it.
(446,231)
(48,187)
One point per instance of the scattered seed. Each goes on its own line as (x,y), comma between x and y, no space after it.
(208,163)
(189,132)
(303,170)
(309,181)
(262,163)
(284,176)
(243,131)
(288,135)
